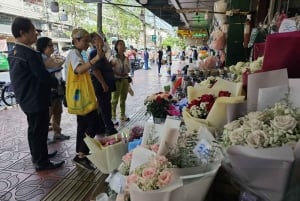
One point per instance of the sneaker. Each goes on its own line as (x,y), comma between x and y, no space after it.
(84,163)
(115,122)
(124,118)
(60,137)
(50,141)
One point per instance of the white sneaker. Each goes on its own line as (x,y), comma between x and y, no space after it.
(115,122)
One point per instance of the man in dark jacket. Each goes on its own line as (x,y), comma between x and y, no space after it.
(32,84)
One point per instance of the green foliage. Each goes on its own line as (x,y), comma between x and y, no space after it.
(173,42)
(79,12)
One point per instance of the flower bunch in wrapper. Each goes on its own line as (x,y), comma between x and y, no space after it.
(158,104)
(136,132)
(239,68)
(125,165)
(200,107)
(152,175)
(183,153)
(272,127)
(110,140)
(209,82)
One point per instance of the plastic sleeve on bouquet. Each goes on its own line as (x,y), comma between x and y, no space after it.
(217,116)
(195,92)
(168,142)
(151,131)
(236,110)
(172,192)
(108,158)
(259,169)
(192,123)
(235,88)
(263,80)
(140,156)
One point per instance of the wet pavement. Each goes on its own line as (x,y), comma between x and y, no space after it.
(18,178)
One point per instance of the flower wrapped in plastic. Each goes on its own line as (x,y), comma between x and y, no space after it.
(211,114)
(106,153)
(197,159)
(261,145)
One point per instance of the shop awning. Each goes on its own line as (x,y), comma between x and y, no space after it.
(188,14)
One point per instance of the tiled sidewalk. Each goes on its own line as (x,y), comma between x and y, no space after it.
(18,178)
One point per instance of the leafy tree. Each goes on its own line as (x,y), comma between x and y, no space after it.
(173,42)
(79,12)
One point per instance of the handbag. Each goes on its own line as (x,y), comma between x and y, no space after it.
(80,93)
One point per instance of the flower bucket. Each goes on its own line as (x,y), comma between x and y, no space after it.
(159,120)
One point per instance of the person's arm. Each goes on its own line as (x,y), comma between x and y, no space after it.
(53,63)
(38,69)
(100,78)
(82,68)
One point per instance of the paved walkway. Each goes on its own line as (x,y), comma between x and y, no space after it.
(18,178)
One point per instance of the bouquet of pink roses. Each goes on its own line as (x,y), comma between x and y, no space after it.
(152,175)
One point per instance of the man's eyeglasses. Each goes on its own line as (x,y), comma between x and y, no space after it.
(50,45)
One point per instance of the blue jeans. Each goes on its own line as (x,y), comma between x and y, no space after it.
(146,64)
(132,67)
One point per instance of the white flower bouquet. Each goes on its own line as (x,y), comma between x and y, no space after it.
(272,127)
(261,149)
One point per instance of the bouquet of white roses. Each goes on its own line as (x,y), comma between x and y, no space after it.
(272,127)
(261,145)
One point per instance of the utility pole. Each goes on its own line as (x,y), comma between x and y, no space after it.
(154,24)
(99,18)
(143,15)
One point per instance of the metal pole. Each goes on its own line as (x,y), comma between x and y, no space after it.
(144,28)
(154,24)
(99,18)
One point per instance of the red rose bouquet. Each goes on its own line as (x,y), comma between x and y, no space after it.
(201,106)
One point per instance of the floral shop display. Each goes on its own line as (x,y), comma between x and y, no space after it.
(159,105)
(195,161)
(181,167)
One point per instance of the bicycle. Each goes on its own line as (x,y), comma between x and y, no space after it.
(7,94)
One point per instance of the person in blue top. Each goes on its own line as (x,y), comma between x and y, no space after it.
(32,84)
(104,83)
(146,59)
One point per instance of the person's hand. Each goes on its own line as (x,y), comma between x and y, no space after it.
(105,87)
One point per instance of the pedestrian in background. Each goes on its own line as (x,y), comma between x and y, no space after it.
(86,124)
(159,62)
(131,55)
(121,68)
(32,84)
(104,84)
(45,46)
(169,59)
(146,59)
